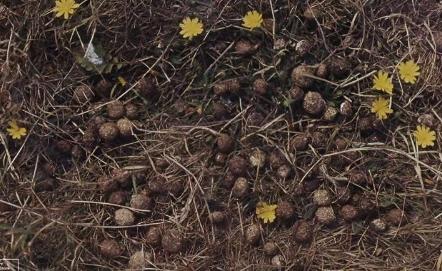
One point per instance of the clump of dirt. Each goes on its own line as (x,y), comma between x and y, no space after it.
(172,241)
(124,217)
(240,187)
(325,215)
(300,76)
(217,217)
(140,260)
(253,234)
(115,110)
(110,248)
(314,103)
(260,86)
(285,210)
(302,231)
(229,86)
(109,131)
(83,94)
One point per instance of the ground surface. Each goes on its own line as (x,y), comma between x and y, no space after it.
(62,183)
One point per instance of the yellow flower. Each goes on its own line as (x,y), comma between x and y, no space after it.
(252,19)
(381,107)
(121,81)
(266,212)
(191,28)
(15,131)
(382,82)
(408,71)
(65,8)
(424,136)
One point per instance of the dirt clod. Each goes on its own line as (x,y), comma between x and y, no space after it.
(349,212)
(244,47)
(427,120)
(396,217)
(285,210)
(148,89)
(125,127)
(257,158)
(365,125)
(296,94)
(220,112)
(229,86)
(141,201)
(346,109)
(277,159)
(325,215)
(108,131)
(238,166)
(115,110)
(318,140)
(225,143)
(153,236)
(314,103)
(303,47)
(172,241)
(241,187)
(253,234)
(139,260)
(299,76)
(217,217)
(330,113)
(270,248)
(118,197)
(284,171)
(157,185)
(321,197)
(131,111)
(106,184)
(103,88)
(278,261)
(340,144)
(302,231)
(83,94)
(378,225)
(340,67)
(343,195)
(122,176)
(322,70)
(299,142)
(110,248)
(260,86)
(124,217)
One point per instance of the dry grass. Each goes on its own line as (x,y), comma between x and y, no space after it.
(60,226)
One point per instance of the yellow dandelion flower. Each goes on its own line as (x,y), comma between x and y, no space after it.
(191,28)
(252,19)
(15,131)
(121,81)
(381,107)
(65,8)
(382,82)
(408,71)
(424,136)
(266,212)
